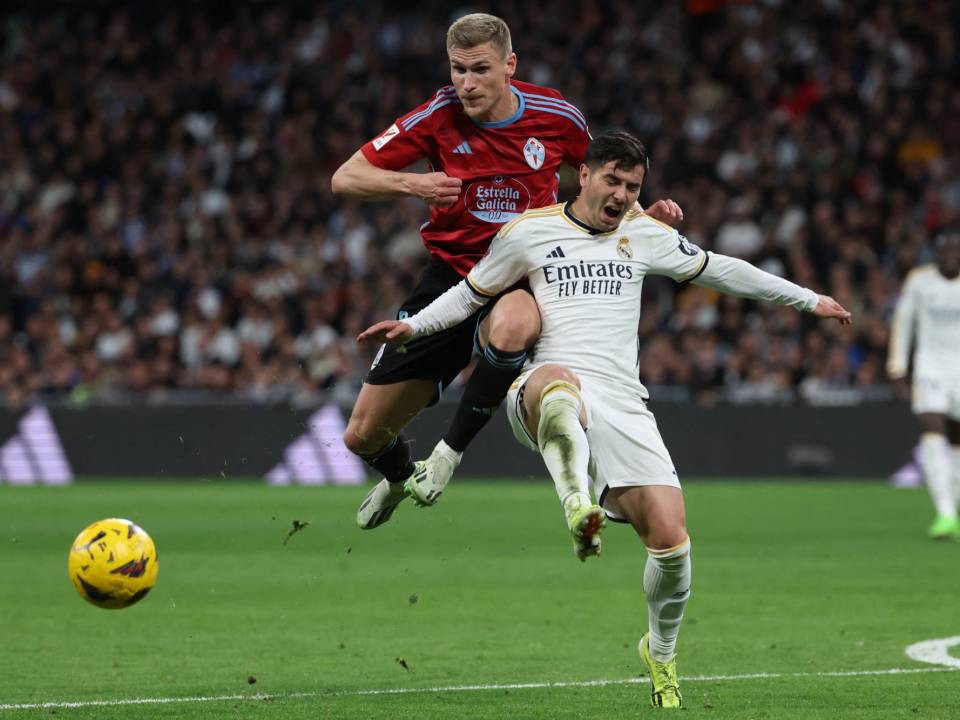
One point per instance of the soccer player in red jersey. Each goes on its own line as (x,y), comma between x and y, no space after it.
(495,146)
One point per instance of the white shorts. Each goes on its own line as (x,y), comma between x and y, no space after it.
(940,396)
(626,449)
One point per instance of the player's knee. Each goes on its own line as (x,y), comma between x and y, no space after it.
(359,440)
(514,323)
(557,373)
(665,536)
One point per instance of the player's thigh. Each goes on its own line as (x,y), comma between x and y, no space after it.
(512,324)
(538,381)
(932,423)
(953,431)
(952,420)
(931,402)
(657,513)
(382,411)
(626,451)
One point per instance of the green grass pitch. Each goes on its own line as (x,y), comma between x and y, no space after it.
(790,580)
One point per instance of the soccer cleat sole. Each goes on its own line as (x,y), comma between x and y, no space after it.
(586,533)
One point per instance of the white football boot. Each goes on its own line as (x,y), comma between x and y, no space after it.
(379,504)
(430,476)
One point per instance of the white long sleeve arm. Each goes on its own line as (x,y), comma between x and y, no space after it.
(901,334)
(453,307)
(741,279)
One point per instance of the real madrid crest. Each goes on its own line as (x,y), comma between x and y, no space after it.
(534,153)
(623,248)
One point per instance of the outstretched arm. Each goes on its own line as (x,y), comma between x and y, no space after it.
(453,307)
(502,266)
(741,279)
(901,331)
(360,179)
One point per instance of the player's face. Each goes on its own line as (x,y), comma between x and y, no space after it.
(948,257)
(608,192)
(481,76)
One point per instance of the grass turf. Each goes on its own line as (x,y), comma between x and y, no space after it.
(484,589)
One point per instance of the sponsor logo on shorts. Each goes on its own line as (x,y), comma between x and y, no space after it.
(497,200)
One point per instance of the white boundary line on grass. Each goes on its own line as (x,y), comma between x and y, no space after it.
(935,651)
(456,688)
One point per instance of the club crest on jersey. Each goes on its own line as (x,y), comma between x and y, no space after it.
(534,153)
(623,248)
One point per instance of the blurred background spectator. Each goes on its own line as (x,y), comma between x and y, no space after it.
(167,230)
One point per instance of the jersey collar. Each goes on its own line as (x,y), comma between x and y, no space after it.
(582,225)
(510,120)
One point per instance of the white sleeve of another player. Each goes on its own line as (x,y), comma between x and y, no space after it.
(671,254)
(741,279)
(901,331)
(453,307)
(501,267)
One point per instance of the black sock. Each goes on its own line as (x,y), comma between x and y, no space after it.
(485,390)
(393,461)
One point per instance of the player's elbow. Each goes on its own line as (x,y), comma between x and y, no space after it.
(340,183)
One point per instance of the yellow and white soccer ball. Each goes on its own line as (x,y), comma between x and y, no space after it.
(113,563)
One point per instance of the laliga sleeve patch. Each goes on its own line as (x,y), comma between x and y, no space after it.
(389,134)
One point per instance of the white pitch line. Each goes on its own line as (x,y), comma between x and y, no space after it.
(935,652)
(457,688)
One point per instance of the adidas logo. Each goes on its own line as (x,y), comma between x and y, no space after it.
(35,455)
(319,457)
(463,149)
(556,253)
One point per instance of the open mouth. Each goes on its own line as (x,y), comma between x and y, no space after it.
(610,213)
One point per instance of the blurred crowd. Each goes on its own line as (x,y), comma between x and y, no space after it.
(167,228)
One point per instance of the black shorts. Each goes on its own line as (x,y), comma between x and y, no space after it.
(438,358)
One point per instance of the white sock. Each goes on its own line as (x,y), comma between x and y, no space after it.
(563,441)
(955,470)
(666,583)
(443,449)
(935,456)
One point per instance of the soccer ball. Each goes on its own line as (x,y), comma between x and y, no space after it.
(113,563)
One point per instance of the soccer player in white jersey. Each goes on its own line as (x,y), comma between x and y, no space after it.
(580,402)
(928,315)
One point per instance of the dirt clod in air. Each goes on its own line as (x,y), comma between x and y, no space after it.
(295,527)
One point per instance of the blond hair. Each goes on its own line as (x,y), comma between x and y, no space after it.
(478,28)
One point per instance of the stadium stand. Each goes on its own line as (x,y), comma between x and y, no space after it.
(167,230)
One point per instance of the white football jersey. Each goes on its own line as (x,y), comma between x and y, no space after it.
(587,284)
(929,313)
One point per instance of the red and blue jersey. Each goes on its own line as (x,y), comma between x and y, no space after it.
(507,167)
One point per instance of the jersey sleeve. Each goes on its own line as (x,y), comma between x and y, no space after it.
(577,139)
(901,330)
(739,278)
(671,254)
(504,264)
(410,138)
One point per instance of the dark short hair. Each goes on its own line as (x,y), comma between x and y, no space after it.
(618,145)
